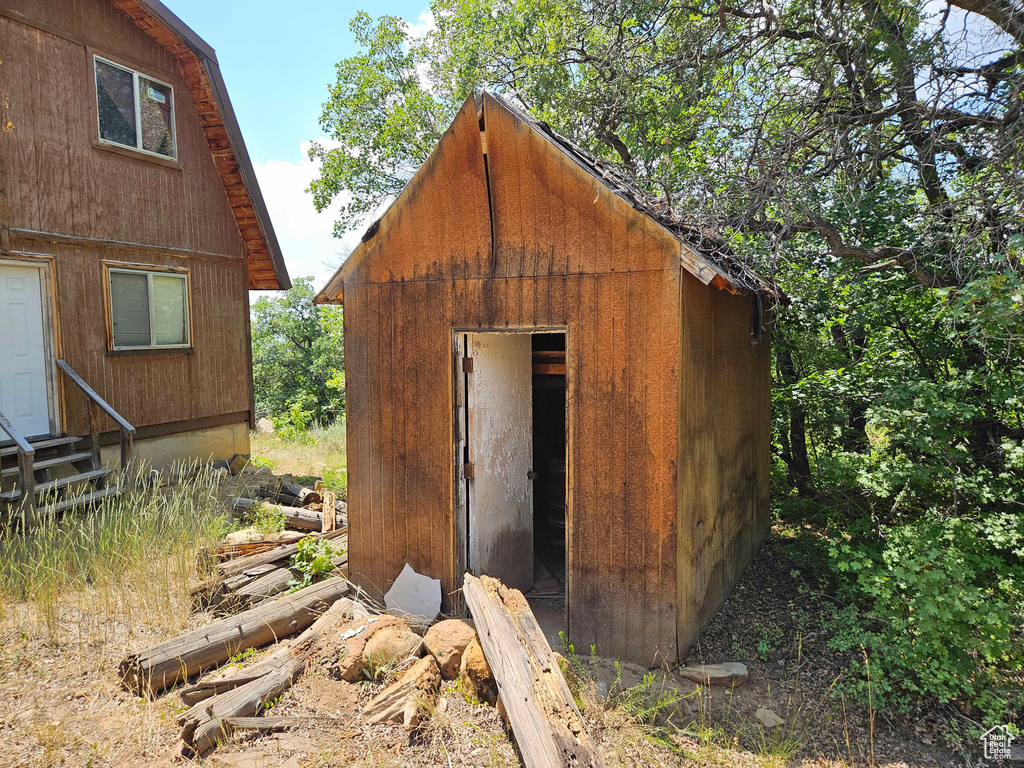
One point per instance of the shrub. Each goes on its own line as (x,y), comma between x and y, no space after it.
(313,560)
(945,611)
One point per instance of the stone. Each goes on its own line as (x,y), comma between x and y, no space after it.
(351,665)
(767,718)
(730,674)
(265,426)
(389,645)
(243,536)
(475,673)
(414,596)
(238,462)
(446,641)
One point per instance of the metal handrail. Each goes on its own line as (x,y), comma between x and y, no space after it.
(95,401)
(26,460)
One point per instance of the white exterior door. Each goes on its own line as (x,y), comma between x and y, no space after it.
(23,391)
(500,403)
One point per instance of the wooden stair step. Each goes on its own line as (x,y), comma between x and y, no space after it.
(55,461)
(49,442)
(61,482)
(82,501)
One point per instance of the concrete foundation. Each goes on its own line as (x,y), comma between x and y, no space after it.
(207,444)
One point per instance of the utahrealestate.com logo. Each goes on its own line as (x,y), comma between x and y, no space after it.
(998,743)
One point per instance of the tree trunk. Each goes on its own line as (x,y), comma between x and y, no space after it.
(545,720)
(210,721)
(798,463)
(170,662)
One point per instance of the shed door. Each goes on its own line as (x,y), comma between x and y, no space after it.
(23,395)
(500,413)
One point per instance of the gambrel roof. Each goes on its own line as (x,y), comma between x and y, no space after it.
(201,71)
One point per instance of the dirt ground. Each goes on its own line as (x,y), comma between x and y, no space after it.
(62,704)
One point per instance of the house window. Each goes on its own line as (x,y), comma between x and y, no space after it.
(134,110)
(148,310)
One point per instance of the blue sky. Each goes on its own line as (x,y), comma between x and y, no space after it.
(277,59)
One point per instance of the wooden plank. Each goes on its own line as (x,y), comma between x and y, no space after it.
(329,519)
(548,726)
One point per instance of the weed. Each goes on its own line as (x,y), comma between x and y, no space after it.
(313,560)
(134,552)
(266,520)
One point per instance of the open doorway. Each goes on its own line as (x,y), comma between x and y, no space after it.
(512,446)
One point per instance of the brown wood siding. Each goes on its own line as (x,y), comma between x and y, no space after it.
(214,379)
(53,179)
(724,443)
(92,201)
(562,259)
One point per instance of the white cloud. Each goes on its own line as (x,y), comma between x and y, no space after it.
(424,25)
(305,235)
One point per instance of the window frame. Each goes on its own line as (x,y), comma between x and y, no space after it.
(150,271)
(138,109)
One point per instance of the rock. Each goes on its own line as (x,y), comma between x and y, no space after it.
(767,718)
(237,463)
(730,674)
(265,426)
(388,645)
(243,536)
(477,680)
(414,596)
(446,641)
(409,699)
(352,664)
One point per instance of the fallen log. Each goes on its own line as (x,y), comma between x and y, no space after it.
(239,506)
(270,724)
(206,689)
(241,564)
(409,699)
(545,720)
(300,519)
(270,584)
(209,722)
(168,663)
(293,494)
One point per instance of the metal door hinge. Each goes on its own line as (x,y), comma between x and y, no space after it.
(467,365)
(468,470)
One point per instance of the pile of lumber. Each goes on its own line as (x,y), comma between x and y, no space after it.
(245,582)
(303,509)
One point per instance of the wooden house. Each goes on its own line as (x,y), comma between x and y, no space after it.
(549,383)
(131,231)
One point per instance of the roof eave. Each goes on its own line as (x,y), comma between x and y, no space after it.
(245,169)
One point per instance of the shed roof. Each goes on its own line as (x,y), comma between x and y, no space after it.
(201,71)
(699,245)
(702,254)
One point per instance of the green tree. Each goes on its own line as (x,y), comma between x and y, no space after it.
(298,357)
(869,156)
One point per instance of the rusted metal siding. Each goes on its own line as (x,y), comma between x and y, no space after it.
(567,254)
(724,450)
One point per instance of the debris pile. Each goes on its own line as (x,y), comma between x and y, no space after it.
(329,625)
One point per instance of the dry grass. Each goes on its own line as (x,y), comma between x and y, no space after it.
(316,454)
(76,595)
